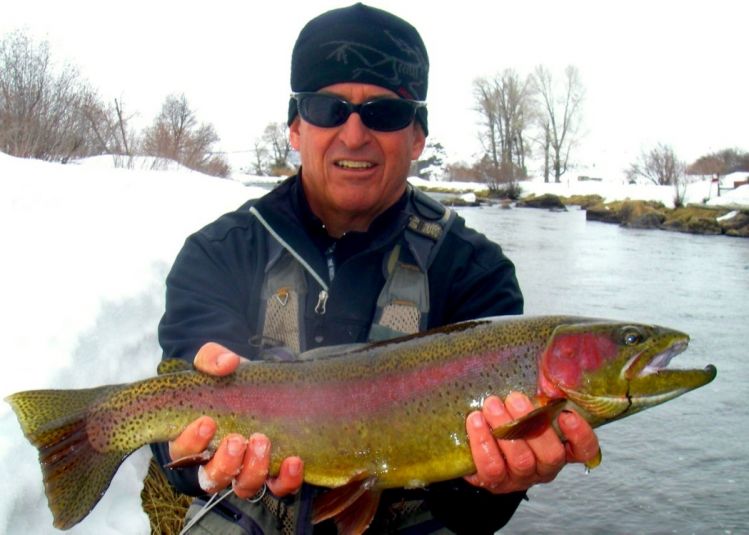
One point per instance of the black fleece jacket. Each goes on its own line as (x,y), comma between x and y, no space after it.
(213,294)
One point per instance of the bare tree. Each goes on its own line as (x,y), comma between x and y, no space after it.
(273,151)
(504,104)
(561,110)
(260,164)
(176,135)
(486,106)
(41,107)
(660,166)
(110,126)
(720,163)
(276,139)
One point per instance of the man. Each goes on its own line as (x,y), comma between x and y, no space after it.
(346,252)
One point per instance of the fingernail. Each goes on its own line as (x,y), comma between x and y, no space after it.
(205,430)
(517,401)
(569,420)
(494,406)
(294,467)
(235,447)
(477,420)
(259,445)
(222,359)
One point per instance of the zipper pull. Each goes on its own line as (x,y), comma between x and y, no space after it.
(322,299)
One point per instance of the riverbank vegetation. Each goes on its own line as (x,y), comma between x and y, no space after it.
(694,219)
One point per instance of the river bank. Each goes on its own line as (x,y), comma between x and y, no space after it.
(629,205)
(693,219)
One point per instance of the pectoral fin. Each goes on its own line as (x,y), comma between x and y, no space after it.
(352,506)
(192,460)
(532,424)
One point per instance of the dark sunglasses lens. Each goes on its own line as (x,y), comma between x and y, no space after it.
(387,115)
(323,110)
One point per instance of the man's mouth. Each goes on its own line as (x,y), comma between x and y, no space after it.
(354,164)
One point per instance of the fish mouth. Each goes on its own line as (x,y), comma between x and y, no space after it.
(655,355)
(661,360)
(651,382)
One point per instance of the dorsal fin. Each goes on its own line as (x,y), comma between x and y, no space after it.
(330,351)
(173,366)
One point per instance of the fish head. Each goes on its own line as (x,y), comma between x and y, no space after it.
(614,369)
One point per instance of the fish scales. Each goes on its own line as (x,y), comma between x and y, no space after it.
(371,401)
(391,413)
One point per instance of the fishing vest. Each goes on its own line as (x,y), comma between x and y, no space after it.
(402,304)
(402,308)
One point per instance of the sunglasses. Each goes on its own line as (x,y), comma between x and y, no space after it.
(383,114)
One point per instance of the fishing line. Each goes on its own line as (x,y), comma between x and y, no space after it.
(213,501)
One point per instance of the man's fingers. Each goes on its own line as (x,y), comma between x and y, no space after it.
(520,458)
(546,453)
(255,470)
(194,439)
(490,465)
(289,478)
(215,359)
(224,466)
(582,443)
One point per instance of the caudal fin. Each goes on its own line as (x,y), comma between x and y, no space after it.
(76,475)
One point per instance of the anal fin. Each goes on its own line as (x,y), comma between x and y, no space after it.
(351,506)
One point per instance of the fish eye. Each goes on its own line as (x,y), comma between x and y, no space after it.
(632,336)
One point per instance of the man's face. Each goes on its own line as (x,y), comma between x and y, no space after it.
(351,171)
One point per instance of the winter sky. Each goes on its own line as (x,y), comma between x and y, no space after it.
(654,71)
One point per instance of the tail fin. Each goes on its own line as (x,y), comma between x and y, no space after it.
(76,475)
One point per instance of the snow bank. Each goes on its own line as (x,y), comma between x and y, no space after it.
(87,248)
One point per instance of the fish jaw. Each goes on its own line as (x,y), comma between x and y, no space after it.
(611,370)
(656,387)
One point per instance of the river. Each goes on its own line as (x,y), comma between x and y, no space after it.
(681,467)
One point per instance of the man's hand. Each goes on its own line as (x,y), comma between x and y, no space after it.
(504,466)
(238,461)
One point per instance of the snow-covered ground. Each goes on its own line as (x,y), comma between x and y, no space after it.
(86,251)
(697,191)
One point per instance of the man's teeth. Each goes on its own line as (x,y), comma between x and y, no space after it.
(352,164)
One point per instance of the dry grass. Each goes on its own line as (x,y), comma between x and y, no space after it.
(165,508)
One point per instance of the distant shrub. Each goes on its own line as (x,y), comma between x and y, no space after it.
(42,108)
(177,135)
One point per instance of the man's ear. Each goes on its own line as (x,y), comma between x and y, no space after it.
(419,142)
(294,133)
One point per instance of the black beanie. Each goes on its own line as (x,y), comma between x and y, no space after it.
(364,45)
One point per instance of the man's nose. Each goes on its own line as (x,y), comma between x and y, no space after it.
(353,132)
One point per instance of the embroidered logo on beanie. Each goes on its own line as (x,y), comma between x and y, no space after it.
(364,45)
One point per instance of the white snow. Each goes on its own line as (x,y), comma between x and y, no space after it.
(86,250)
(697,191)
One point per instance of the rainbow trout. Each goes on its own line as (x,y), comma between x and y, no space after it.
(363,418)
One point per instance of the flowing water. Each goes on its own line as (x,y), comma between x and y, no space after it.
(682,467)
